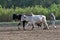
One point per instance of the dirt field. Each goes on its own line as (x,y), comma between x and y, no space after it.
(12,33)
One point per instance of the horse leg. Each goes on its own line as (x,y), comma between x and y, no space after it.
(18,26)
(24,25)
(46,25)
(32,26)
(39,25)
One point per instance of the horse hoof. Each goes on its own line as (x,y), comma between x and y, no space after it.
(18,28)
(32,29)
(45,29)
(23,29)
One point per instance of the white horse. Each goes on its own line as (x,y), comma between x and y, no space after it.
(33,19)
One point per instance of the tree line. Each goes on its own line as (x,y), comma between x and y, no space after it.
(26,3)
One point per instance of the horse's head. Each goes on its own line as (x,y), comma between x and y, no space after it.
(15,16)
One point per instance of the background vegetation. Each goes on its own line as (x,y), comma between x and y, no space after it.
(41,7)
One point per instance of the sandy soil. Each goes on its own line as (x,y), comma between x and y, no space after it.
(12,33)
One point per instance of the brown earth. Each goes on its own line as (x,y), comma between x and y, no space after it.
(12,33)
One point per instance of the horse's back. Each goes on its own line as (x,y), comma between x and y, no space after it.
(38,18)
